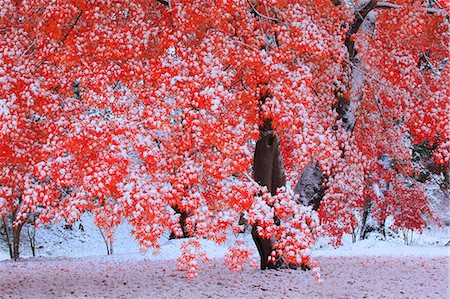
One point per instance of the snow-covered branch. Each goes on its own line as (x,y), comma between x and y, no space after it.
(260,14)
(383,4)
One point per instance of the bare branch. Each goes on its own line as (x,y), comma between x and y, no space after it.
(439,4)
(163,2)
(29,48)
(63,39)
(396,6)
(387,5)
(250,178)
(260,14)
(245,45)
(436,10)
(380,111)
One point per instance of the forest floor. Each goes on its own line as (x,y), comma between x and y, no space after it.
(72,263)
(123,276)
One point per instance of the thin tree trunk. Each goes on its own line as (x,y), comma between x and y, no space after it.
(16,241)
(268,171)
(366,211)
(32,239)
(107,242)
(8,239)
(14,232)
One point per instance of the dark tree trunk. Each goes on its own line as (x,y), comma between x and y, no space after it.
(16,241)
(366,212)
(108,242)
(268,171)
(8,239)
(32,239)
(12,235)
(183,216)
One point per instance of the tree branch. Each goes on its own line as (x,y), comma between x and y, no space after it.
(163,2)
(260,14)
(63,39)
(396,6)
(387,5)
(380,111)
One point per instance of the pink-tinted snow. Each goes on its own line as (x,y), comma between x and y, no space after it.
(120,277)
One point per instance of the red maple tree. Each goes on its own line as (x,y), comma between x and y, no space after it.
(152,111)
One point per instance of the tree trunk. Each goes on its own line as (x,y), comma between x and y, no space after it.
(16,241)
(268,171)
(183,216)
(309,186)
(8,239)
(366,211)
(108,242)
(111,246)
(384,228)
(32,239)
(12,232)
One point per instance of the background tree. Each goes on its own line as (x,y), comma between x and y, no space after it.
(404,91)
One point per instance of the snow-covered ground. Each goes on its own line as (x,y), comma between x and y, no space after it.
(73,263)
(128,277)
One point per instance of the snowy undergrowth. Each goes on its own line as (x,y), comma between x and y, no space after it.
(84,239)
(430,243)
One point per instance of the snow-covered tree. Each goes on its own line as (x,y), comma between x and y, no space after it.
(208,111)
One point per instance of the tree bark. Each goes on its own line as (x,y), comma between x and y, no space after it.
(342,104)
(32,239)
(8,239)
(12,235)
(268,171)
(183,216)
(108,242)
(366,211)
(309,186)
(16,241)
